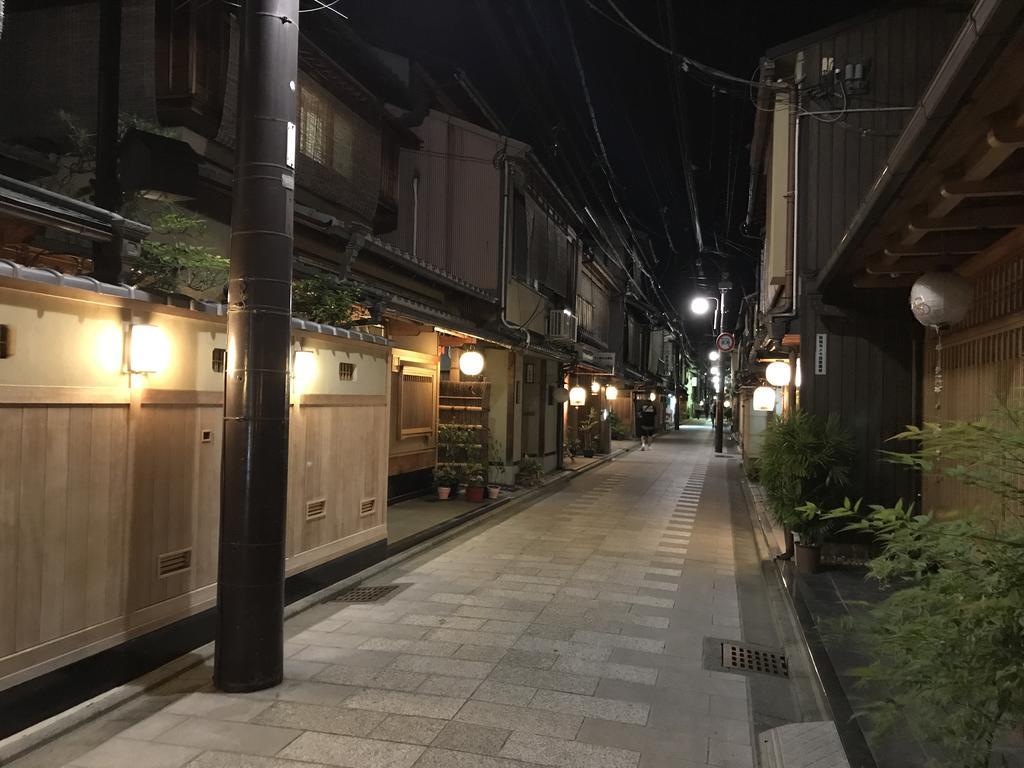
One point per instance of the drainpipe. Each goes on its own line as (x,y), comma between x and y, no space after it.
(415,210)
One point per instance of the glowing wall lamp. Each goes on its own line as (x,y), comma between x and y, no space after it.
(798,379)
(149,350)
(727,404)
(764,399)
(471,363)
(777,373)
(303,369)
(595,386)
(611,392)
(653,396)
(715,371)
(577,395)
(713,355)
(700,305)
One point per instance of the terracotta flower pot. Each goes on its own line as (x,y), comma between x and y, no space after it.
(808,558)
(493,491)
(443,492)
(474,493)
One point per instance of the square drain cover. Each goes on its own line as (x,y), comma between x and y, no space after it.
(365,594)
(754,660)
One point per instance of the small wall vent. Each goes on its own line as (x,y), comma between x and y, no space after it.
(367,507)
(220,356)
(6,341)
(173,563)
(346,371)
(316,509)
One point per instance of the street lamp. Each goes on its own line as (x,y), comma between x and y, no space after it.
(699,305)
(713,355)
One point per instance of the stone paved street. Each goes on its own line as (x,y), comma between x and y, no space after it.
(568,633)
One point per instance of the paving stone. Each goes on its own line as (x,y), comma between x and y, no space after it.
(306,692)
(455,687)
(311,717)
(382,629)
(449,622)
(152,726)
(480,653)
(607,669)
(233,760)
(570,754)
(443,758)
(563,648)
(401,703)
(302,670)
(328,640)
(229,737)
(544,678)
(468,737)
(350,656)
(608,640)
(352,752)
(498,614)
(483,638)
(520,719)
(388,679)
(408,729)
(592,707)
(128,753)
(217,706)
(448,667)
(504,693)
(431,647)
(532,659)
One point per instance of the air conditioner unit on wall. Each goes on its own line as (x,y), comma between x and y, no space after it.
(562,325)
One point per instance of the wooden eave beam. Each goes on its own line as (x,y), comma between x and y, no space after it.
(1002,217)
(1006,247)
(910,265)
(864,280)
(954,243)
(1010,185)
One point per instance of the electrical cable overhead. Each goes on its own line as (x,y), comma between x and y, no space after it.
(325,7)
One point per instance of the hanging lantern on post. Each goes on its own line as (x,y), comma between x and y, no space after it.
(764,399)
(940,300)
(577,396)
(778,373)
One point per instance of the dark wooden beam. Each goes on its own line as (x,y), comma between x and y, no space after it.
(1006,247)
(1009,185)
(876,264)
(864,280)
(1002,217)
(955,243)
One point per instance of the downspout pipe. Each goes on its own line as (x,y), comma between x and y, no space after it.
(503,270)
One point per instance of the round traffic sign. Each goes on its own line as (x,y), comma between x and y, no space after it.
(725,342)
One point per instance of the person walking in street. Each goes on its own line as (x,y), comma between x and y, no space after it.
(648,417)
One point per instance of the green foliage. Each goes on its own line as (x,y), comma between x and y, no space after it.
(812,524)
(530,472)
(752,468)
(618,432)
(172,259)
(803,459)
(445,476)
(324,299)
(947,643)
(474,475)
(495,461)
(587,426)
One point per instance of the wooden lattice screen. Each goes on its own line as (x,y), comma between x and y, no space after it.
(416,402)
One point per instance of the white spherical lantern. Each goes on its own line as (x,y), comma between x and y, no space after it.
(471,363)
(577,396)
(940,299)
(700,305)
(595,386)
(778,373)
(713,355)
(559,395)
(611,392)
(764,399)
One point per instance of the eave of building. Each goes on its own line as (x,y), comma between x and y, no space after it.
(951,194)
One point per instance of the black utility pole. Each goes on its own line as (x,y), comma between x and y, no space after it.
(106,190)
(723,286)
(254,477)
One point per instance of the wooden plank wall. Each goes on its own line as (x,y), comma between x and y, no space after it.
(98,481)
(983,365)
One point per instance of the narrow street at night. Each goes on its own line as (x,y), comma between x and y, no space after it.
(584,629)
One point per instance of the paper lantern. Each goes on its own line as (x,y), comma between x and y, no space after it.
(713,355)
(471,363)
(778,373)
(560,395)
(764,399)
(654,396)
(577,396)
(940,299)
(595,386)
(700,306)
(611,392)
(149,351)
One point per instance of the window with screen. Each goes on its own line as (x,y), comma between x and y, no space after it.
(417,402)
(326,134)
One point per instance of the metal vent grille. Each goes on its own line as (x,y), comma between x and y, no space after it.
(366,594)
(346,371)
(316,509)
(6,348)
(171,563)
(218,360)
(754,660)
(367,507)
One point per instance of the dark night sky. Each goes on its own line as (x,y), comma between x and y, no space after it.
(519,55)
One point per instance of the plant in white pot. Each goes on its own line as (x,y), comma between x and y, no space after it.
(495,470)
(446,480)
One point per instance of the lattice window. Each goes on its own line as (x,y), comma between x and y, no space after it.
(417,402)
(344,139)
(314,119)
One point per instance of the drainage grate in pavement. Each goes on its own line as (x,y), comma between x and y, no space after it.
(365,594)
(754,660)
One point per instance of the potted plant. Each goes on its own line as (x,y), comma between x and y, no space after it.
(445,480)
(810,525)
(495,470)
(476,481)
(573,448)
(586,428)
(530,471)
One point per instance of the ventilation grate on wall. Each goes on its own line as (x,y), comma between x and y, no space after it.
(741,657)
(6,347)
(316,509)
(367,507)
(346,371)
(366,594)
(220,356)
(172,563)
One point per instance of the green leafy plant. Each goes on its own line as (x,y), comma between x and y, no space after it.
(530,472)
(586,428)
(173,258)
(325,299)
(474,475)
(812,524)
(495,461)
(618,432)
(804,459)
(752,469)
(445,476)
(947,644)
